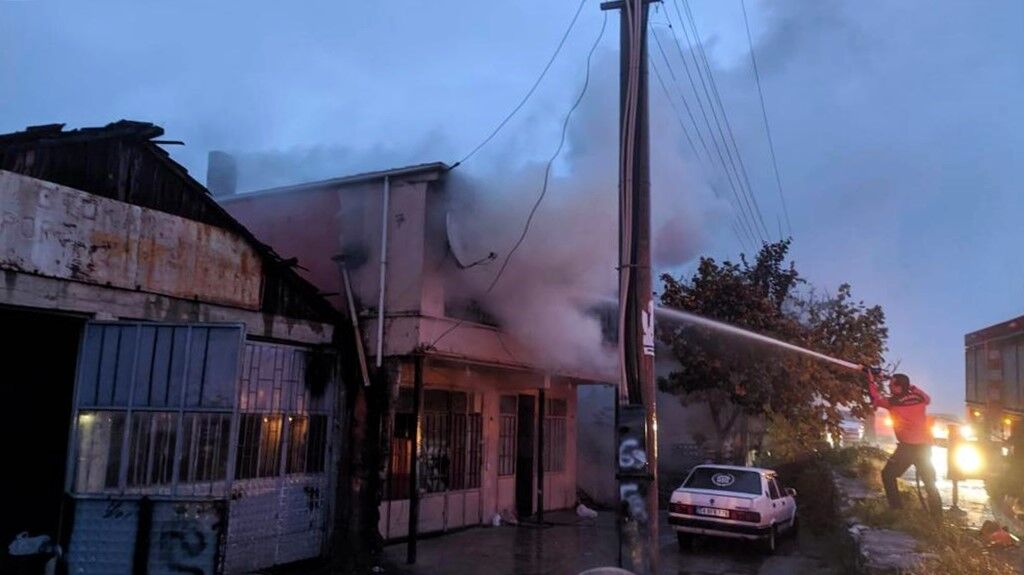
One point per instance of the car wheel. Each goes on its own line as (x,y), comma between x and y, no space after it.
(768,544)
(795,527)
(685,541)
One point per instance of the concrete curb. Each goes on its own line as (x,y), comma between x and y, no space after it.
(875,551)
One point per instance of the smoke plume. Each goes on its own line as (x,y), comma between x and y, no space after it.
(568,260)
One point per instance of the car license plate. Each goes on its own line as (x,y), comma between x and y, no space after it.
(713,512)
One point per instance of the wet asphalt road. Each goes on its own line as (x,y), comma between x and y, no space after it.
(571,545)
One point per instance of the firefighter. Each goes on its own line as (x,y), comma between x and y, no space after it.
(907,407)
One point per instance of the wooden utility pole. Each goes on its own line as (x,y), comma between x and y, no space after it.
(636,416)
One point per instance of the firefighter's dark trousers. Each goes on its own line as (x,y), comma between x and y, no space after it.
(920,456)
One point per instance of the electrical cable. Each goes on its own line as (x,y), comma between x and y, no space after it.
(729,168)
(718,99)
(682,96)
(529,92)
(746,215)
(764,115)
(633,10)
(682,125)
(544,186)
(675,110)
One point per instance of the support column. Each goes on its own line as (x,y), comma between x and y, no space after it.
(414,475)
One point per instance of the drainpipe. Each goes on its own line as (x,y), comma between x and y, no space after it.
(384,217)
(354,316)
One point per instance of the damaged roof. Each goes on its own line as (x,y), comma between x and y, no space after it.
(123,161)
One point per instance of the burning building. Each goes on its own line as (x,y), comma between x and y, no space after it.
(497,425)
(173,379)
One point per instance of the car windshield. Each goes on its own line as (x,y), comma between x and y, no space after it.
(719,479)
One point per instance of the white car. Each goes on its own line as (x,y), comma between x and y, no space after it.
(736,502)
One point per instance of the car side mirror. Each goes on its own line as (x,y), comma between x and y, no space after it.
(791,492)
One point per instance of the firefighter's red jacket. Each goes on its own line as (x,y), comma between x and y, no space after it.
(908,411)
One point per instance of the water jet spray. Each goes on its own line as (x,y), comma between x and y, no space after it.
(693,318)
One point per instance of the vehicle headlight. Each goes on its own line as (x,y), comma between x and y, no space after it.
(967,458)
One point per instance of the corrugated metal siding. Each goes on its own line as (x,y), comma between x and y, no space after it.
(262,521)
(279,519)
(186,537)
(103,537)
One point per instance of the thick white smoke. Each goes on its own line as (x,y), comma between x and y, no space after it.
(568,259)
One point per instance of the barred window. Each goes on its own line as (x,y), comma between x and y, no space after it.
(436,456)
(451,455)
(399,469)
(151,448)
(507,435)
(204,448)
(259,446)
(555,430)
(100,434)
(307,437)
(277,404)
(154,407)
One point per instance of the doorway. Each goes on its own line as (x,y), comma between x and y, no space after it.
(524,456)
(38,353)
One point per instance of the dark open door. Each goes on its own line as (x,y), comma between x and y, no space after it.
(524,457)
(37,355)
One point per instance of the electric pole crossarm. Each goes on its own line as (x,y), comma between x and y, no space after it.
(619,4)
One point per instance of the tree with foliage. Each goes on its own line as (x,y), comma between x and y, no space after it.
(739,378)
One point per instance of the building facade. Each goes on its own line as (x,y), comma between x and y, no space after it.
(498,431)
(175,381)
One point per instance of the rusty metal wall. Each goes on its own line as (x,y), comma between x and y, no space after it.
(59,232)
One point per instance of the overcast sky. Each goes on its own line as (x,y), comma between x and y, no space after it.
(898,125)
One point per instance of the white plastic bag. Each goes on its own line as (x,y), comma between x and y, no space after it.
(586,512)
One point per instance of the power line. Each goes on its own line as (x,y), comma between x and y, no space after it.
(741,215)
(682,125)
(544,186)
(749,213)
(701,72)
(764,115)
(530,92)
(686,104)
(675,110)
(728,168)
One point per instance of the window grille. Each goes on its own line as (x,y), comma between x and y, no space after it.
(259,446)
(555,434)
(451,454)
(507,435)
(154,407)
(156,410)
(153,439)
(306,444)
(283,426)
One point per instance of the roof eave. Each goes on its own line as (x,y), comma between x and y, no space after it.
(430,172)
